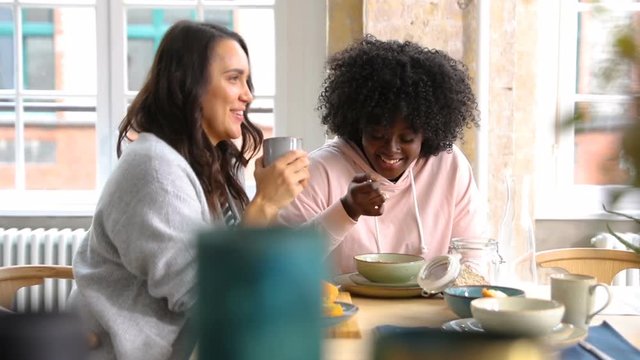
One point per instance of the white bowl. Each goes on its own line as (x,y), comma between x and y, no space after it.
(517,316)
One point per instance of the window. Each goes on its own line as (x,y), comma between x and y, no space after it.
(35,151)
(48,96)
(69,68)
(583,161)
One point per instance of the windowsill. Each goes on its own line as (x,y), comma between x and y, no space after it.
(585,203)
(48,203)
(582,215)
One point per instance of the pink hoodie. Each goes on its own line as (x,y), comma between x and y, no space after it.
(445,202)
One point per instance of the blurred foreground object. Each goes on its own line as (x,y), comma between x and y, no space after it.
(45,336)
(260,294)
(423,343)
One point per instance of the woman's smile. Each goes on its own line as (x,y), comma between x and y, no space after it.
(390,150)
(389,163)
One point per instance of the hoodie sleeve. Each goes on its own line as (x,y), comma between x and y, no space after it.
(319,205)
(469,212)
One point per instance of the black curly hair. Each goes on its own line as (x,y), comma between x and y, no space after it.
(375,82)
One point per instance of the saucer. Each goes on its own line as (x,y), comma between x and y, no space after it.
(346,283)
(563,335)
(361,280)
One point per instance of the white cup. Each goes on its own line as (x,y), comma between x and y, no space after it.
(275,147)
(577,293)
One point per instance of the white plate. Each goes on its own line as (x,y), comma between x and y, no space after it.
(563,335)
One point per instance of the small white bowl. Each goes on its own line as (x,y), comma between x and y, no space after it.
(517,316)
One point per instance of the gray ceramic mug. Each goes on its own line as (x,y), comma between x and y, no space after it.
(275,147)
(577,293)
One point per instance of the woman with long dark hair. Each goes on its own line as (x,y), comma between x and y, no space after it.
(179,170)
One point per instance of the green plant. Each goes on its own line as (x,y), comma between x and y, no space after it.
(626,243)
(627,50)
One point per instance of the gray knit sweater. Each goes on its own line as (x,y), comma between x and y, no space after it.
(136,269)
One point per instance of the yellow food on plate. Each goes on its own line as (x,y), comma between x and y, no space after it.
(329,296)
(492,293)
(332,310)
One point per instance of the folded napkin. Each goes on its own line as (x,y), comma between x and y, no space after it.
(394,329)
(393,342)
(608,340)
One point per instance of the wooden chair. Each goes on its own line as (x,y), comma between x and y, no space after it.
(603,264)
(13,278)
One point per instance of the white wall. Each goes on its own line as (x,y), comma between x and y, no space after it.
(301,38)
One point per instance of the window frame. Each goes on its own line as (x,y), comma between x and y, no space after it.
(293,99)
(557,197)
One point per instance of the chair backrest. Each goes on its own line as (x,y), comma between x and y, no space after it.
(603,264)
(13,278)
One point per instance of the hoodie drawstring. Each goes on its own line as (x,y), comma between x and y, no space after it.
(423,245)
(375,221)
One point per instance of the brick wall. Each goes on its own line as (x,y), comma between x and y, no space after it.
(442,24)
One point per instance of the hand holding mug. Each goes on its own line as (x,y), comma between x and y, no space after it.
(281,174)
(287,166)
(278,184)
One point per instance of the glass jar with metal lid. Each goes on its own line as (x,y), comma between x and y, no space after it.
(470,261)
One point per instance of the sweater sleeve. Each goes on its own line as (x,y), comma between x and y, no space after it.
(154,231)
(319,205)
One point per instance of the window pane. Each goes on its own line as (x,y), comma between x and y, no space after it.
(598,136)
(139,59)
(60,144)
(139,16)
(219,16)
(39,65)
(599,70)
(37,15)
(175,15)
(7,27)
(145,28)
(53,59)
(261,114)
(7,144)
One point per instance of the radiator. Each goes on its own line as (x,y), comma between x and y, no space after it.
(40,246)
(608,241)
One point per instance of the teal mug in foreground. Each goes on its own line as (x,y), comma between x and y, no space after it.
(260,294)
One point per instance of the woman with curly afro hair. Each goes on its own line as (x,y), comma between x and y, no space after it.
(392,180)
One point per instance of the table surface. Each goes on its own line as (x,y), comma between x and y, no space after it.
(433,313)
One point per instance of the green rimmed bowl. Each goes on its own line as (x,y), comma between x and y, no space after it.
(389,268)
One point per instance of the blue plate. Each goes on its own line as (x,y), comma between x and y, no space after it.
(348,311)
(459,298)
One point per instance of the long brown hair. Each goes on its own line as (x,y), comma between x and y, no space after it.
(169,106)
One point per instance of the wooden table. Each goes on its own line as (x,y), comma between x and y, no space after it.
(428,312)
